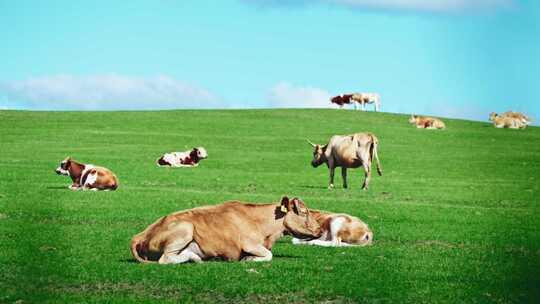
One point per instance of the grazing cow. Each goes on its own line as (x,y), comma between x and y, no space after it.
(347,151)
(231,231)
(506,121)
(341,100)
(519,116)
(183,159)
(86,176)
(426,122)
(339,230)
(366,98)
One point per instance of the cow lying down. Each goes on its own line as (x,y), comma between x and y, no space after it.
(338,230)
(86,176)
(231,231)
(183,159)
(426,122)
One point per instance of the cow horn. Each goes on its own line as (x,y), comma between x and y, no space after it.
(312,144)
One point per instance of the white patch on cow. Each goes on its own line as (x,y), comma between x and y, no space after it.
(91,178)
(335,227)
(191,253)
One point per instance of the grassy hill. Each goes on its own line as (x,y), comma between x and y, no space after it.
(456,216)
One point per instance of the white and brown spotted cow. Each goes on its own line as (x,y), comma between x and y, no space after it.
(86,176)
(183,159)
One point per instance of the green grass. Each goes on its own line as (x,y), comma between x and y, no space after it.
(455,217)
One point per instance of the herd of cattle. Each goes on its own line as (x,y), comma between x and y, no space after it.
(244,231)
(510,119)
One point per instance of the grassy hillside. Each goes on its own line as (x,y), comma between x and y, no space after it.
(455,217)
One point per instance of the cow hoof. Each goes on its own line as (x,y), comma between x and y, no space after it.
(345,186)
(331,187)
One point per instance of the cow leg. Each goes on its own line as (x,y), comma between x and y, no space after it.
(258,253)
(367,170)
(344,176)
(179,250)
(319,242)
(332,170)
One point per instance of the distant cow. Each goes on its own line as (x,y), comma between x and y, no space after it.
(519,116)
(341,100)
(339,230)
(183,159)
(506,121)
(347,151)
(366,98)
(86,176)
(230,231)
(426,122)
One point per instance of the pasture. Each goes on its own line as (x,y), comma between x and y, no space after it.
(456,215)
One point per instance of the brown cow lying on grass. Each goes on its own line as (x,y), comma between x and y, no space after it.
(347,151)
(339,230)
(231,231)
(86,176)
(426,122)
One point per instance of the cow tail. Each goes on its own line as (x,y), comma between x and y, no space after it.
(374,145)
(136,247)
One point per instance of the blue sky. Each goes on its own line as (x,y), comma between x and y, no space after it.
(455,58)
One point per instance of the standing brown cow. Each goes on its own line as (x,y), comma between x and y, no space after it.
(347,151)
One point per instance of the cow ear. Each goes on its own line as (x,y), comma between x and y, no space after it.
(298,206)
(285,204)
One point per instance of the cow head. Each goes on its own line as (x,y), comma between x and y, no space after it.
(63,169)
(492,116)
(200,152)
(318,154)
(412,119)
(298,220)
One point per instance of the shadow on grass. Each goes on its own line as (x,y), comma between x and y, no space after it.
(57,188)
(277,256)
(313,187)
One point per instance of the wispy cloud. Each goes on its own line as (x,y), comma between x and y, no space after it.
(104,92)
(439,6)
(286,95)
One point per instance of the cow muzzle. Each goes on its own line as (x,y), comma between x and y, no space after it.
(61,171)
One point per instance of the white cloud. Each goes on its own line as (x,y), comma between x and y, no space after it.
(105,92)
(442,6)
(286,95)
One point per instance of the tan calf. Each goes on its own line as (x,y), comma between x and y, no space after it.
(230,231)
(339,230)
